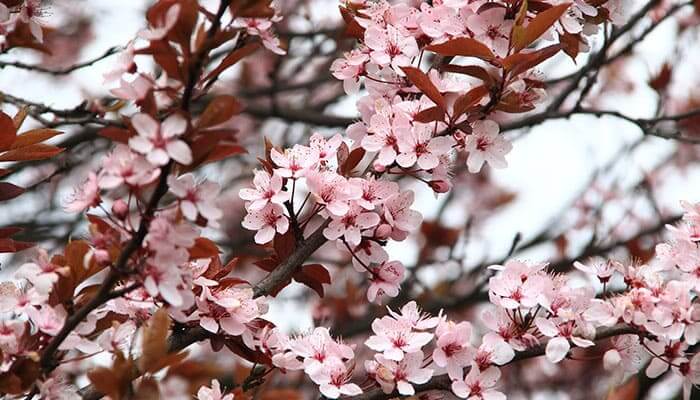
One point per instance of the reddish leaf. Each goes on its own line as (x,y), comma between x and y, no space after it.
(284,244)
(431,114)
(9,191)
(353,160)
(471,70)
(222,151)
(465,47)
(352,27)
(32,152)
(8,132)
(203,248)
(518,63)
(423,82)
(538,26)
(313,276)
(218,111)
(660,82)
(232,59)
(115,134)
(570,44)
(469,99)
(34,136)
(12,246)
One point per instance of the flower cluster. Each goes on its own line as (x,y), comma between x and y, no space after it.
(362,213)
(20,14)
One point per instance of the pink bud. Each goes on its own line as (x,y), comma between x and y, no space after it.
(378,167)
(383,231)
(120,209)
(439,186)
(102,257)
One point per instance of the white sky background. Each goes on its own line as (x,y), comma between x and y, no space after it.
(547,167)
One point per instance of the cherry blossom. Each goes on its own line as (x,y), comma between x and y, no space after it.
(268,189)
(385,280)
(266,221)
(486,145)
(213,392)
(196,198)
(403,374)
(351,225)
(478,385)
(160,142)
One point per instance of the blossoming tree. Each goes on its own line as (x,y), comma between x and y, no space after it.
(218,184)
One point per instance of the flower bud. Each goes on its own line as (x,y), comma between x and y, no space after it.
(383,231)
(439,186)
(611,360)
(379,167)
(120,209)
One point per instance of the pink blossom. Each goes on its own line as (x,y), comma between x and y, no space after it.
(375,192)
(266,221)
(401,375)
(333,191)
(486,145)
(48,320)
(318,348)
(160,142)
(394,338)
(123,63)
(134,89)
(560,333)
(351,225)
(385,280)
(478,385)
(196,198)
(492,29)
(122,166)
(349,69)
(268,189)
(213,392)
(386,127)
(391,47)
(420,146)
(42,273)
(334,380)
(493,351)
(412,315)
(326,148)
(453,350)
(295,162)
(85,196)
(398,214)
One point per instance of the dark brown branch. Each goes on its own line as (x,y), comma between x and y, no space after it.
(60,71)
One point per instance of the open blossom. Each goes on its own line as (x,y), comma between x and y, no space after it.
(268,189)
(399,216)
(85,196)
(318,349)
(375,192)
(349,69)
(334,380)
(266,221)
(391,47)
(453,350)
(326,148)
(402,374)
(486,145)
(163,25)
(385,280)
(134,89)
(560,333)
(196,198)
(491,28)
(333,191)
(230,308)
(160,142)
(213,392)
(421,147)
(386,126)
(42,273)
(47,319)
(395,338)
(351,225)
(124,167)
(295,162)
(478,385)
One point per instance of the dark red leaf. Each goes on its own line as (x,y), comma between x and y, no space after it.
(9,191)
(465,47)
(423,82)
(8,132)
